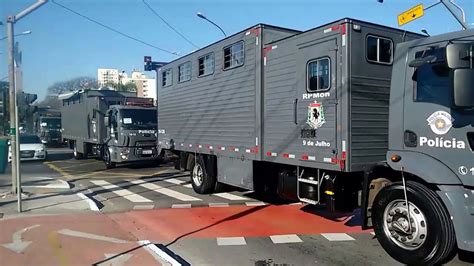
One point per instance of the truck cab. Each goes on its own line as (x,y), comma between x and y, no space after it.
(422,215)
(131,134)
(49,130)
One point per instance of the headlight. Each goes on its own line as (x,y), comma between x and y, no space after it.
(125,151)
(40,150)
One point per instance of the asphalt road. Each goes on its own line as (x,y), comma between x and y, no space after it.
(157,203)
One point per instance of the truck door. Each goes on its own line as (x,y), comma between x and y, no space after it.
(433,125)
(300,103)
(316,101)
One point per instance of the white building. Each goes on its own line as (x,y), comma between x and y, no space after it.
(107,76)
(146,87)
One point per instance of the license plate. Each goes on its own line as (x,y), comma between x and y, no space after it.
(147,152)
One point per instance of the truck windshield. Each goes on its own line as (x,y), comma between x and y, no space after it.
(139,118)
(51,123)
(433,81)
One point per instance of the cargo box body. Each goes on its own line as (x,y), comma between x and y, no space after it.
(82,114)
(318,99)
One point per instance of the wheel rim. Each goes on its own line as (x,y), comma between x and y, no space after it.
(197,175)
(397,225)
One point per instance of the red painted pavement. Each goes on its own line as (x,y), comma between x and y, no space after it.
(51,248)
(169,224)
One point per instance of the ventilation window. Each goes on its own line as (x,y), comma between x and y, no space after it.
(234,55)
(206,65)
(379,50)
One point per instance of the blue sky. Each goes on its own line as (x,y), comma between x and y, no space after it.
(63,45)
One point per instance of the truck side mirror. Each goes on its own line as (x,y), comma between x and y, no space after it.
(464,87)
(460,55)
(106,121)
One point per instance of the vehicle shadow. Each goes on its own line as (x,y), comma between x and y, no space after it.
(348,218)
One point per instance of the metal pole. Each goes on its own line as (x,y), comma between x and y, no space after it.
(11,20)
(17,136)
(12,100)
(456,16)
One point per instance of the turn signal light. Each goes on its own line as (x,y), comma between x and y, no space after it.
(330,193)
(395,158)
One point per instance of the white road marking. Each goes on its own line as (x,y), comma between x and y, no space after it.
(175,181)
(158,254)
(92,205)
(181,206)
(165,191)
(337,237)
(218,204)
(282,239)
(188,186)
(231,241)
(143,207)
(68,232)
(372,233)
(121,192)
(229,196)
(18,245)
(255,203)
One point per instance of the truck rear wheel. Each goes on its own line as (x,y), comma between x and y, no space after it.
(425,237)
(77,154)
(201,178)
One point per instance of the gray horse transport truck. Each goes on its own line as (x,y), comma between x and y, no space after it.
(348,115)
(117,127)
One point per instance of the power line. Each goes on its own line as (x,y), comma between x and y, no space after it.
(169,25)
(112,29)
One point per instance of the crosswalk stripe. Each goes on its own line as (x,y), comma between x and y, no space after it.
(231,241)
(165,191)
(255,203)
(337,237)
(282,239)
(188,186)
(229,196)
(175,181)
(121,192)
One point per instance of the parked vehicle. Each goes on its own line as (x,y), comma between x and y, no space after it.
(333,116)
(31,148)
(116,127)
(47,125)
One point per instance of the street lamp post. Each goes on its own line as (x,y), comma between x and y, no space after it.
(11,20)
(199,14)
(26,32)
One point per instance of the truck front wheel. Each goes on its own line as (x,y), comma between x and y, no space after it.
(201,178)
(108,159)
(77,154)
(421,233)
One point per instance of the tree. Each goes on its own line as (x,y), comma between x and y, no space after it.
(72,85)
(129,87)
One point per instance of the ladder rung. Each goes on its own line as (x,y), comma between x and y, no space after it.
(313,202)
(308,181)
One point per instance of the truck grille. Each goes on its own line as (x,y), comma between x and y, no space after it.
(145,144)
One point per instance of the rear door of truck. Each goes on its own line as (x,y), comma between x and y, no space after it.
(300,106)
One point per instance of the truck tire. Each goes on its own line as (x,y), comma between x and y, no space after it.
(77,155)
(432,240)
(202,179)
(108,159)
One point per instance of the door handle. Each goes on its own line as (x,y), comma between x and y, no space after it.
(295,106)
(410,138)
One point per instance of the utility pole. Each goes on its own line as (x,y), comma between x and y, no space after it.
(11,20)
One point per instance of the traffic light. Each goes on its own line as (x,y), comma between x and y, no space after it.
(150,65)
